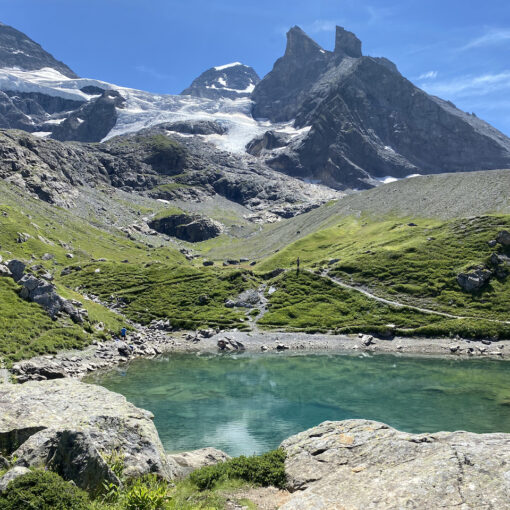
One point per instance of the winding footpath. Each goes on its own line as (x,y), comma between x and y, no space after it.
(397,304)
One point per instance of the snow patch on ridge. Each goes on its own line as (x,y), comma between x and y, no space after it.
(227,66)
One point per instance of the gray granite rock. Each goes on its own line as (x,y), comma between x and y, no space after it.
(190,461)
(366,465)
(11,475)
(57,422)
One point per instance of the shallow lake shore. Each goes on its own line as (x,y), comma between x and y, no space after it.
(147,343)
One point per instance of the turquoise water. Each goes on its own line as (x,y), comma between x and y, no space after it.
(245,404)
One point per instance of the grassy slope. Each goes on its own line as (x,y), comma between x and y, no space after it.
(443,197)
(414,265)
(156,283)
(25,327)
(190,297)
(410,264)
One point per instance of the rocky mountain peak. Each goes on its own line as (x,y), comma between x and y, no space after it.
(347,44)
(300,45)
(231,81)
(18,50)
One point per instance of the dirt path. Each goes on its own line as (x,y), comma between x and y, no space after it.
(368,294)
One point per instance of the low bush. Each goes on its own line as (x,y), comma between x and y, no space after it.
(146,494)
(266,469)
(43,490)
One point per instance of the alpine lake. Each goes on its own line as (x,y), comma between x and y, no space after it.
(248,403)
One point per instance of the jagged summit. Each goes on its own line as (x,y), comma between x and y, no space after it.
(347,44)
(19,51)
(233,81)
(364,121)
(299,44)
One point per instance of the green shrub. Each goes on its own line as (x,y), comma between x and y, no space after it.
(146,493)
(43,490)
(266,469)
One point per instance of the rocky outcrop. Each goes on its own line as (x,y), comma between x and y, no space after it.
(190,461)
(475,279)
(366,120)
(74,428)
(157,162)
(362,465)
(191,228)
(91,122)
(269,141)
(43,292)
(230,81)
(18,50)
(195,127)
(30,111)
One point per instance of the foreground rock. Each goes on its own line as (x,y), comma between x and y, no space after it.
(363,465)
(74,428)
(190,461)
(11,475)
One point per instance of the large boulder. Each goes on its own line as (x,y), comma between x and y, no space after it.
(191,228)
(17,268)
(475,279)
(360,464)
(71,427)
(70,453)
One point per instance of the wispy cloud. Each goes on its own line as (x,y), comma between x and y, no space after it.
(470,85)
(151,72)
(322,25)
(430,75)
(492,37)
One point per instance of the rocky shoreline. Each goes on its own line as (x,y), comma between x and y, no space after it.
(146,342)
(78,430)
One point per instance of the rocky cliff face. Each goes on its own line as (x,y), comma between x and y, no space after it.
(230,81)
(359,464)
(366,120)
(18,50)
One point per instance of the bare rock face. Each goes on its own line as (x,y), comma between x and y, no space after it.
(92,121)
(18,50)
(74,427)
(366,465)
(366,120)
(190,461)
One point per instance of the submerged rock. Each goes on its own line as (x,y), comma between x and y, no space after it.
(360,464)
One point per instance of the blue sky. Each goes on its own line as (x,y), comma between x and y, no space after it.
(456,49)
